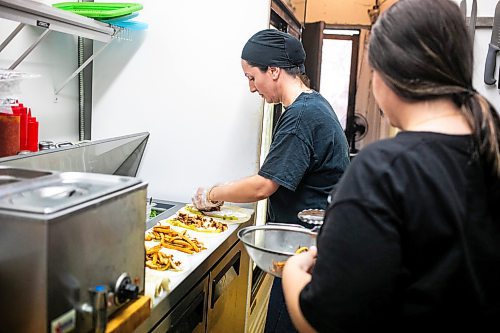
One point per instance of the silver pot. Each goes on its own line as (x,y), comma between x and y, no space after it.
(271,245)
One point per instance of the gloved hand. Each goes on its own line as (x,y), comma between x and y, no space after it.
(202,202)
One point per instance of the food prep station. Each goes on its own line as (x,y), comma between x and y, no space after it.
(202,297)
(83,225)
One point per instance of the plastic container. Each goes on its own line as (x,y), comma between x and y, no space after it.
(131,25)
(100,10)
(149,206)
(10,83)
(9,135)
(120,18)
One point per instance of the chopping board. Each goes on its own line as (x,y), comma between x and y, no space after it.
(128,318)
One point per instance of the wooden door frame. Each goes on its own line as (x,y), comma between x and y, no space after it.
(283,19)
(312,39)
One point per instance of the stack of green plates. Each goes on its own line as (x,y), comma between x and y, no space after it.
(100,10)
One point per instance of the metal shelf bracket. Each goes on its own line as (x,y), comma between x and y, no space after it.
(28,51)
(11,36)
(79,69)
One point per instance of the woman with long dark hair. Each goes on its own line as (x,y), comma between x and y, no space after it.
(411,240)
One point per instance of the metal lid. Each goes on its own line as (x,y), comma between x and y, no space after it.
(60,191)
(44,145)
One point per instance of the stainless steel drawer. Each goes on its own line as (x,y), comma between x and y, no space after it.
(228,294)
(189,315)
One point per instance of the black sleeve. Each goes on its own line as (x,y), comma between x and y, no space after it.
(287,161)
(354,278)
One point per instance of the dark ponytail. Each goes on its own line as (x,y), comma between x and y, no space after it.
(298,71)
(485,122)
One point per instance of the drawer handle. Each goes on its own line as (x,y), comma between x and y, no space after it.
(222,281)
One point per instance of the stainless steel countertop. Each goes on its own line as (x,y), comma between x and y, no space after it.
(161,309)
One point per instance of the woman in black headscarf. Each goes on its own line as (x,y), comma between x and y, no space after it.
(411,241)
(308,153)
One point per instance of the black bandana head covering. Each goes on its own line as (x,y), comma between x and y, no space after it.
(274,48)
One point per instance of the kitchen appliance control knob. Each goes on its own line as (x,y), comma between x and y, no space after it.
(125,289)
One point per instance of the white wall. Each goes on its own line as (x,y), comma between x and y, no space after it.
(55,59)
(485,8)
(181,80)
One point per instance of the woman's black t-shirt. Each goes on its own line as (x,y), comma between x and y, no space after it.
(307,157)
(411,241)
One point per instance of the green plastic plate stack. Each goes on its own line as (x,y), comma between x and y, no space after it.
(100,10)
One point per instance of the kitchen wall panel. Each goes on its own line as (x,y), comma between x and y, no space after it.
(181,80)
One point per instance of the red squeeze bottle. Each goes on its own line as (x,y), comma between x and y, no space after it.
(23,130)
(32,143)
(23,134)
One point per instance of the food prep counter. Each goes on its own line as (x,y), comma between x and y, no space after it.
(210,294)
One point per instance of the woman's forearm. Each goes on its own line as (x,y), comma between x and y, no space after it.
(250,189)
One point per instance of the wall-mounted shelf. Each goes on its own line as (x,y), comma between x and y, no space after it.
(28,12)
(45,16)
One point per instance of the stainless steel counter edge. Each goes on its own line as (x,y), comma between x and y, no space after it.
(175,296)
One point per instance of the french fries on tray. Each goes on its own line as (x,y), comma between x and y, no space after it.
(155,259)
(174,240)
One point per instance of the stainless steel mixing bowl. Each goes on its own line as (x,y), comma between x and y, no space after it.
(271,245)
